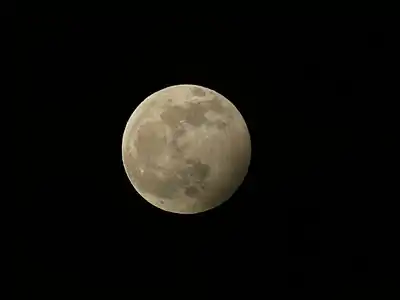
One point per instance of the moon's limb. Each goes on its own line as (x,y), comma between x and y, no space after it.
(186,149)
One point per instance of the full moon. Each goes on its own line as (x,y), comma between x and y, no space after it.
(186,149)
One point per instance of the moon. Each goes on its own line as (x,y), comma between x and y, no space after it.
(186,149)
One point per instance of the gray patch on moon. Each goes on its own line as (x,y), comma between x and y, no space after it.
(195,175)
(221,125)
(150,183)
(196,170)
(166,189)
(190,161)
(198,92)
(194,114)
(172,115)
(171,183)
(174,147)
(150,140)
(215,105)
(191,191)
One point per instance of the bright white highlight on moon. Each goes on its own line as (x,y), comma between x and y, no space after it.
(186,149)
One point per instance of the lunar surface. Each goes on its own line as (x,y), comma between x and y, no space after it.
(186,149)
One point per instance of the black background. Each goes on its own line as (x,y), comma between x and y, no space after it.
(316,213)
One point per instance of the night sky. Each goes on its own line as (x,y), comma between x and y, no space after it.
(316,212)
